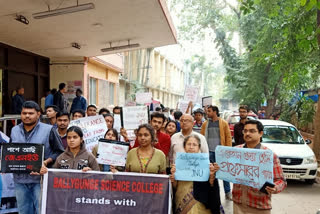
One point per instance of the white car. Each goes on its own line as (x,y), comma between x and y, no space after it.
(297,159)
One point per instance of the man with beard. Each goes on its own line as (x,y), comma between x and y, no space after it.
(63,121)
(238,128)
(250,200)
(31,130)
(164,141)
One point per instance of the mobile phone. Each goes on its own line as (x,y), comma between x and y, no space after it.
(266,184)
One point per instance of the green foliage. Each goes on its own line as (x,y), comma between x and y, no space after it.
(281,52)
(307,112)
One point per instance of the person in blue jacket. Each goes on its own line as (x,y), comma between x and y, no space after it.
(31,130)
(79,102)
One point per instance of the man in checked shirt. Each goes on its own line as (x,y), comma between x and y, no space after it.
(249,200)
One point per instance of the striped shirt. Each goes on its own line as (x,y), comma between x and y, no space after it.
(252,196)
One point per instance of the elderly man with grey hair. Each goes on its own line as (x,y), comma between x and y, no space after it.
(186,121)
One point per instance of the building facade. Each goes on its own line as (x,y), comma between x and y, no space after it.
(97,77)
(146,70)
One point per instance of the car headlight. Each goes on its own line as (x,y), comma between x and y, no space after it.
(309,160)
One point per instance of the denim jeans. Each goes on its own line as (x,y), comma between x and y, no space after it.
(28,198)
(226,184)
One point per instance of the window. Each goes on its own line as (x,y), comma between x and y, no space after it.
(93,91)
(111,94)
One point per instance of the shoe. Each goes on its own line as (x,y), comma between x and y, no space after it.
(229,196)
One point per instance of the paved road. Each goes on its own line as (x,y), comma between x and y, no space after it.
(297,198)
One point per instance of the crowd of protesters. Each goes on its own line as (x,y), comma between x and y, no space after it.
(153,151)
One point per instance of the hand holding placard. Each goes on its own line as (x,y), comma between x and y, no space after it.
(192,166)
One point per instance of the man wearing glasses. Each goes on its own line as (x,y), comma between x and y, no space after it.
(217,132)
(238,128)
(248,199)
(186,122)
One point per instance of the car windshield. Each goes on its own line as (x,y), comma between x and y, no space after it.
(281,135)
(235,119)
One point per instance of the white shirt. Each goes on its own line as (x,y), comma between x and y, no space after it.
(177,144)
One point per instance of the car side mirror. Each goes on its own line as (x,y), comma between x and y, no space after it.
(308,141)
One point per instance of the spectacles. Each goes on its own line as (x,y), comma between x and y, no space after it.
(252,131)
(185,121)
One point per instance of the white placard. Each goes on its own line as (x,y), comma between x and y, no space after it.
(206,101)
(191,93)
(93,129)
(117,122)
(133,116)
(5,137)
(183,106)
(112,153)
(143,98)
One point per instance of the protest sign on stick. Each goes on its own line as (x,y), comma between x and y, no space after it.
(74,191)
(191,93)
(133,116)
(250,167)
(183,106)
(192,167)
(143,98)
(21,157)
(112,152)
(206,101)
(93,129)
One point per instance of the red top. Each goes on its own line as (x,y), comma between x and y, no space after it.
(163,144)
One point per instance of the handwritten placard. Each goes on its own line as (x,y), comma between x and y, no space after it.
(93,129)
(143,98)
(21,157)
(192,167)
(112,153)
(206,101)
(133,116)
(183,106)
(191,93)
(250,167)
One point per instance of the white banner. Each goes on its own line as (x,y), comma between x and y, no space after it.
(93,129)
(112,153)
(133,116)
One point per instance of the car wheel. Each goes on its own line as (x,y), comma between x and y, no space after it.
(310,181)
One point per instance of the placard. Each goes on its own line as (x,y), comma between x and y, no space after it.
(143,98)
(112,152)
(183,106)
(117,122)
(250,167)
(7,194)
(192,167)
(74,191)
(5,137)
(134,116)
(93,129)
(206,101)
(191,93)
(21,157)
